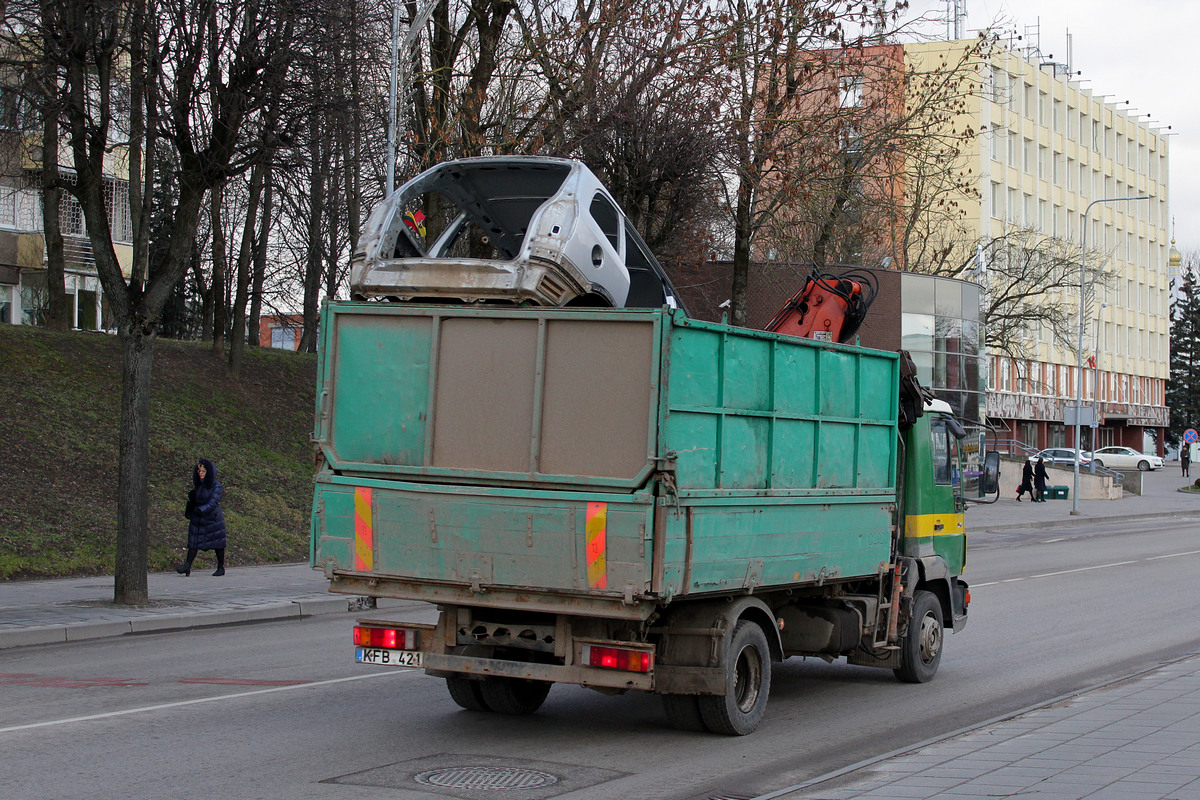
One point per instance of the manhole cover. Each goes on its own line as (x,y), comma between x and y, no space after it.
(485,778)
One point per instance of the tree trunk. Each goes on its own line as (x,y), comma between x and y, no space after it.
(219,271)
(313,262)
(260,257)
(237,338)
(130,584)
(741,253)
(58,315)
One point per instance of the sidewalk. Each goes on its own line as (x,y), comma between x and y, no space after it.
(1160,498)
(1132,739)
(71,609)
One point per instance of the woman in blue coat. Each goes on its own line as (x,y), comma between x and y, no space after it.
(206,522)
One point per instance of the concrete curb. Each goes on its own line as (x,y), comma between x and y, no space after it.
(161,623)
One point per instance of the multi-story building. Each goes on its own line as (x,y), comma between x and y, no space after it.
(23,288)
(1048,148)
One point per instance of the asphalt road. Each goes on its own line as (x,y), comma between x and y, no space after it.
(281,711)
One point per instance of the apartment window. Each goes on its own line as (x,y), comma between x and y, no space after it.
(850,92)
(1042,206)
(999,82)
(1012,148)
(1027,156)
(1119,153)
(1029,220)
(1013,207)
(1058,116)
(1043,108)
(998,136)
(8,206)
(1071,174)
(997,201)
(1096,141)
(1029,109)
(1043,157)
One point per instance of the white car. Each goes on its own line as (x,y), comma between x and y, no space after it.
(1117,457)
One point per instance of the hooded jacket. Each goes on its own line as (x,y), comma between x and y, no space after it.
(206,525)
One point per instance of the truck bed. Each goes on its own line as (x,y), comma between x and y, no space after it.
(614,460)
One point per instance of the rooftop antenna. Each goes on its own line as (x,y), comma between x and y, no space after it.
(956,19)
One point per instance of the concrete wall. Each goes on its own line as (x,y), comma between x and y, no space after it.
(1091,487)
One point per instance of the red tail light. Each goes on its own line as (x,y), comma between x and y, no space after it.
(627,659)
(388,638)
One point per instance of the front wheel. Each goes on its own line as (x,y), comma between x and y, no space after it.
(921,646)
(747,684)
(1144,466)
(515,696)
(1099,463)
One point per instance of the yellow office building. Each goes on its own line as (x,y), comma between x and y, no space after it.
(1048,147)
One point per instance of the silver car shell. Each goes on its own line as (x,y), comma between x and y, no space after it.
(538,210)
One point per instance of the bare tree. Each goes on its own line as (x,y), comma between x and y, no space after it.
(194,73)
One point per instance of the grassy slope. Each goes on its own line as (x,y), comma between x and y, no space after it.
(59,415)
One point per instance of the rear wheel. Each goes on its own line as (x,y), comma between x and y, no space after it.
(1144,466)
(515,696)
(1098,463)
(747,684)
(683,711)
(921,646)
(467,693)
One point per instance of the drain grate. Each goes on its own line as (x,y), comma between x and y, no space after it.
(485,778)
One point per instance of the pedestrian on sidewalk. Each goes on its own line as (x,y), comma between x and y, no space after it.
(206,521)
(1026,481)
(1039,481)
(1185,458)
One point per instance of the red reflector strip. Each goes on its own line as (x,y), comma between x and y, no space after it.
(387,638)
(618,658)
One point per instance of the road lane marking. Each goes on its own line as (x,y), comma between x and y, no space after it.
(1174,555)
(1083,569)
(198,700)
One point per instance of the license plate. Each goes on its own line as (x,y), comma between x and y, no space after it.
(387,658)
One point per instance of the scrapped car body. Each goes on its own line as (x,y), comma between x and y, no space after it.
(513,229)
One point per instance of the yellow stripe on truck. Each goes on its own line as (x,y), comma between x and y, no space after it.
(917,526)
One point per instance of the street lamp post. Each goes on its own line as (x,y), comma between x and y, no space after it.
(1096,387)
(1084,285)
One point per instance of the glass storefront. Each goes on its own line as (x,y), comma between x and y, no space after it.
(940,328)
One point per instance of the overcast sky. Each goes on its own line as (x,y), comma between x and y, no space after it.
(1140,51)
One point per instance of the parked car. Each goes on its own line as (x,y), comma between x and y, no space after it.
(1117,457)
(1062,456)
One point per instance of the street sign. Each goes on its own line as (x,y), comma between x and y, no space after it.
(1087,416)
(1190,435)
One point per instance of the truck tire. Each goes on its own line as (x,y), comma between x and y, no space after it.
(683,712)
(747,684)
(921,646)
(515,696)
(467,693)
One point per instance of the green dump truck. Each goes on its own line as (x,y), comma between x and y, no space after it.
(630,500)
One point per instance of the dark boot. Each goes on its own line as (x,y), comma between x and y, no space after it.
(220,571)
(185,569)
(220,551)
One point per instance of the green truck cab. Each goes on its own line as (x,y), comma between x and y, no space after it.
(630,500)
